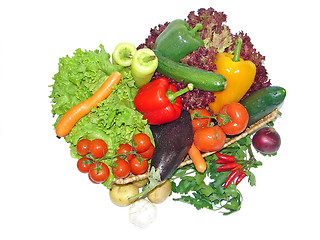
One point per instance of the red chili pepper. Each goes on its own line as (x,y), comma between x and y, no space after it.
(227,167)
(221,161)
(231,177)
(227,158)
(159,102)
(241,176)
(237,167)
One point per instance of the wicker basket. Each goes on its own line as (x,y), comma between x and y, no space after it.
(254,127)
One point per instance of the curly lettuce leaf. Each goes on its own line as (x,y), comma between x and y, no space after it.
(115,119)
(79,77)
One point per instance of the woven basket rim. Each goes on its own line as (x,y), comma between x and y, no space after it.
(254,127)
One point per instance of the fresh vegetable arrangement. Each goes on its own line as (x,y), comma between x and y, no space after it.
(182,114)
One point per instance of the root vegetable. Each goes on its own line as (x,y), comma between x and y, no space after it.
(160,193)
(73,115)
(120,194)
(141,183)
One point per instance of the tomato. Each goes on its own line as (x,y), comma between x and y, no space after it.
(209,139)
(123,149)
(98,172)
(238,115)
(197,120)
(84,164)
(142,142)
(138,167)
(82,147)
(122,168)
(98,148)
(91,179)
(147,154)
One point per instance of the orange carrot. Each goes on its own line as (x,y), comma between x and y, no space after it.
(197,158)
(72,116)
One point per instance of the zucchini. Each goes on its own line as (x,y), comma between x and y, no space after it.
(201,79)
(263,102)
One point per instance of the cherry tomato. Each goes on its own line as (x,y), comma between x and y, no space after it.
(84,164)
(123,149)
(147,154)
(138,167)
(122,168)
(82,147)
(98,148)
(200,122)
(142,142)
(238,115)
(98,172)
(209,139)
(91,179)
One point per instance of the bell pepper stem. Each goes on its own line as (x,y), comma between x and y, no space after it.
(149,58)
(126,54)
(237,50)
(173,95)
(197,28)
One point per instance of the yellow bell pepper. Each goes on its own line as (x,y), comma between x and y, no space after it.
(240,76)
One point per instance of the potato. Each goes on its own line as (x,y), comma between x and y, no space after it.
(119,194)
(141,183)
(160,193)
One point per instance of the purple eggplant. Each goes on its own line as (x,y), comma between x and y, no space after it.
(172,143)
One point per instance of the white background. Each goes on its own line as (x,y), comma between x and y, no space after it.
(43,196)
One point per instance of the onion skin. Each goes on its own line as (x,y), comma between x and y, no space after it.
(266,140)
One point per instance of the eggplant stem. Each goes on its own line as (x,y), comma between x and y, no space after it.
(154,181)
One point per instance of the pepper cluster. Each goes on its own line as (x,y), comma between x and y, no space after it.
(229,164)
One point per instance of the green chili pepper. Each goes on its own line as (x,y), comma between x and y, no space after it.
(144,64)
(123,54)
(178,40)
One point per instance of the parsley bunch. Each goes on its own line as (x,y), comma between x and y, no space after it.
(206,190)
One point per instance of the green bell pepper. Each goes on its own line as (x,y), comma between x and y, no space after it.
(178,40)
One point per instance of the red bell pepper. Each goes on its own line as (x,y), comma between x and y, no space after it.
(159,102)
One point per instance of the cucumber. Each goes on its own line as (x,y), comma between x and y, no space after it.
(201,79)
(263,102)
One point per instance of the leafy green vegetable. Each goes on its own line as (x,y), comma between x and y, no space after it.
(115,119)
(206,190)
(79,77)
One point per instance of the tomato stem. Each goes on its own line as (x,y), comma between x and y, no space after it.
(224,117)
(197,114)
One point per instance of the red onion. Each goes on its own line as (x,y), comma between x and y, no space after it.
(266,140)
